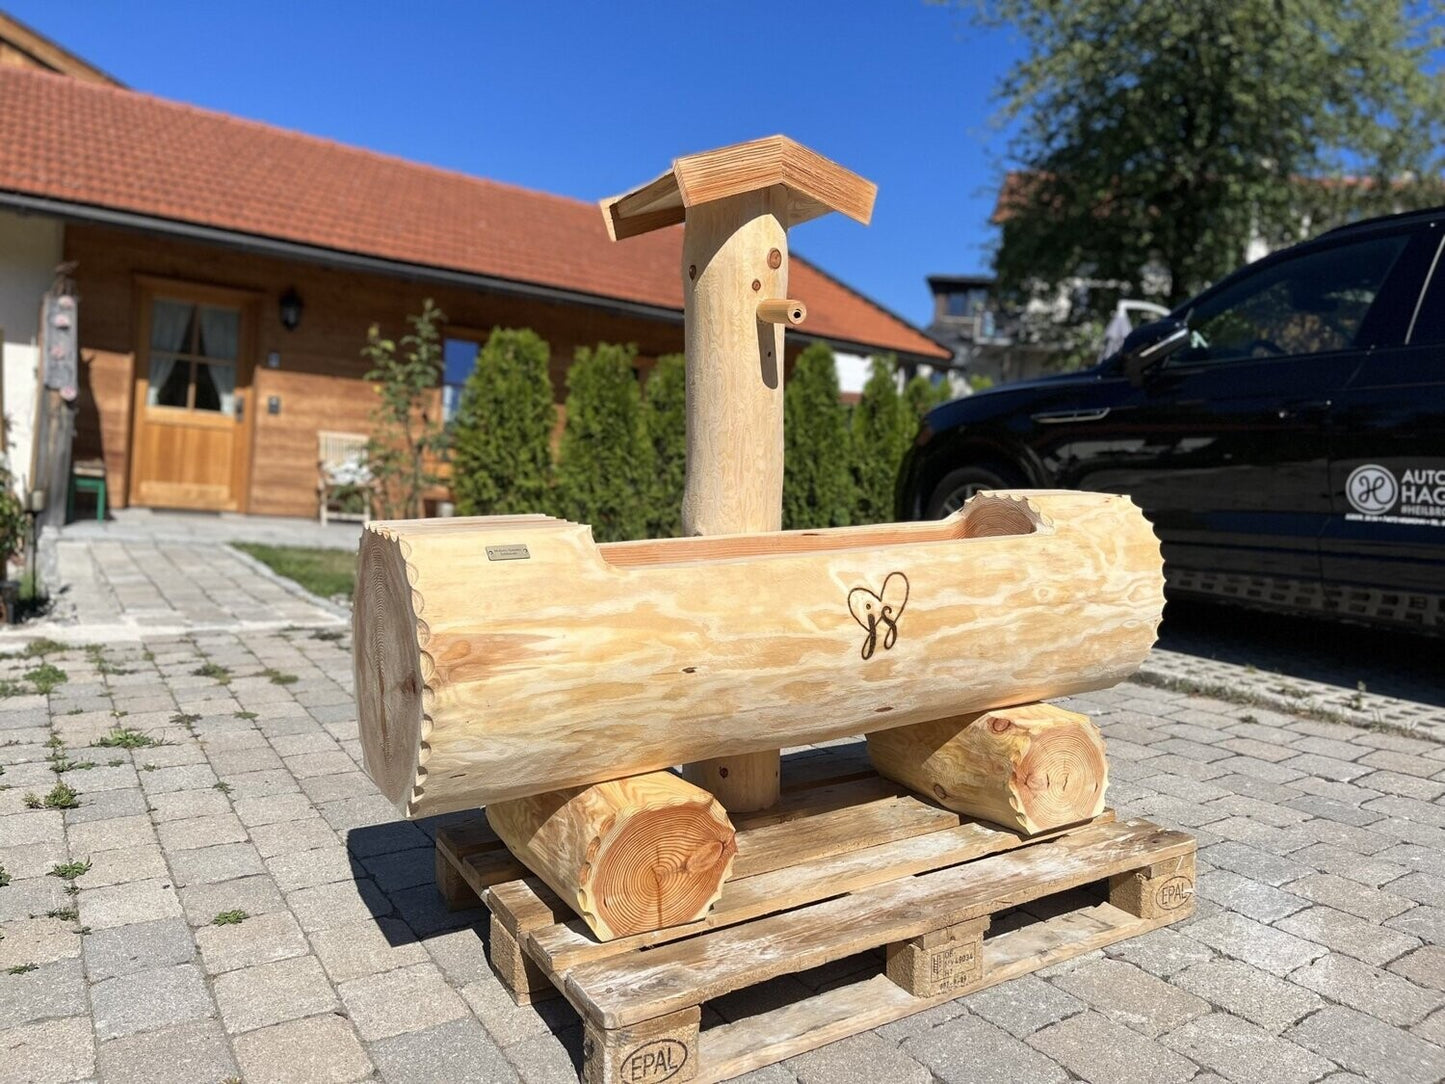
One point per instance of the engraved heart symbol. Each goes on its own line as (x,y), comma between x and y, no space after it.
(884,608)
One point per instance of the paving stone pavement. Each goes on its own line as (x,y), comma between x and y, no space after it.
(218,772)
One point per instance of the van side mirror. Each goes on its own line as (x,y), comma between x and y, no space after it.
(1149,345)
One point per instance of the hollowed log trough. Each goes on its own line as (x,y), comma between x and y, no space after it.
(502,657)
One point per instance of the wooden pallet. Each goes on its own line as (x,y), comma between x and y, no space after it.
(842,866)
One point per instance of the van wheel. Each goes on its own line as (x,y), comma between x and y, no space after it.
(959,485)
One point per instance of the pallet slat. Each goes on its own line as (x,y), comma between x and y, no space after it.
(564,946)
(730,1050)
(638,986)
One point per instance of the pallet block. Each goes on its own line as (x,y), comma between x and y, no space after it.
(839,867)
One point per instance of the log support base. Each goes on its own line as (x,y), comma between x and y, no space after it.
(630,855)
(741,784)
(941,961)
(664,1048)
(1032,768)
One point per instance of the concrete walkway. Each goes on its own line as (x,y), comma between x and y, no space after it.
(145,574)
(205,528)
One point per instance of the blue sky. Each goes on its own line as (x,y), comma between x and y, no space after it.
(589,99)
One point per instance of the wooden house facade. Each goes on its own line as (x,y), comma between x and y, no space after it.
(225,286)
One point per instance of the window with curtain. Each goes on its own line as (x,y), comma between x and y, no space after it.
(193,355)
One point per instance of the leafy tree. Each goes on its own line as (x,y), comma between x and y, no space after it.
(501,435)
(882,430)
(817,483)
(664,419)
(1156,139)
(606,462)
(408,437)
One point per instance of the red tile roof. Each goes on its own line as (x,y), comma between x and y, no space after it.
(120,150)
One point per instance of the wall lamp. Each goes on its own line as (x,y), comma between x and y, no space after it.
(291,309)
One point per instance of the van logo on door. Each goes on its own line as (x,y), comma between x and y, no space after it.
(1371,489)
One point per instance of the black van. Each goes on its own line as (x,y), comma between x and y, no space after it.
(1284,430)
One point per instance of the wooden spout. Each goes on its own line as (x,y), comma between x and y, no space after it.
(784,311)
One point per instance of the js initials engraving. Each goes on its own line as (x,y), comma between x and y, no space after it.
(881,610)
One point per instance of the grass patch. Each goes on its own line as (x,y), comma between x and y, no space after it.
(20,969)
(69,871)
(4,877)
(211,670)
(46,677)
(124,737)
(329,636)
(61,762)
(61,796)
(10,687)
(65,914)
(224,788)
(247,715)
(44,646)
(322,572)
(96,654)
(229,918)
(278,678)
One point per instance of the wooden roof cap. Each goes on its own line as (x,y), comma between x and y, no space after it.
(815,186)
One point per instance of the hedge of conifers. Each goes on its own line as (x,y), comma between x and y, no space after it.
(621,460)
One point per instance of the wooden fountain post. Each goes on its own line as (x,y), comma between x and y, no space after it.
(736,205)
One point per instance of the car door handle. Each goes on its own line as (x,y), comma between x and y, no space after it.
(1296,410)
(1054,417)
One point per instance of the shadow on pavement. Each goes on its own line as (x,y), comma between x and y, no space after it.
(1397,664)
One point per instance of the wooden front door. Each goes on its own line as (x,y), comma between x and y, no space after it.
(192,440)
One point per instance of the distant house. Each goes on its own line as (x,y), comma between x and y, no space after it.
(227,272)
(969,320)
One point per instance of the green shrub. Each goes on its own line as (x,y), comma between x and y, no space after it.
(501,436)
(923,395)
(606,462)
(664,421)
(407,435)
(817,481)
(882,431)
